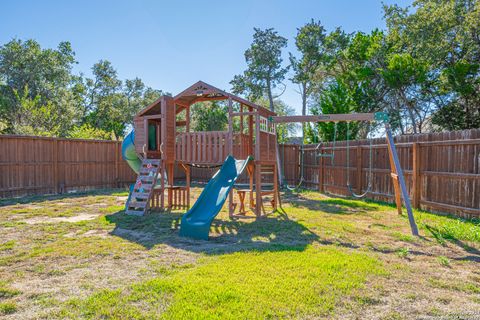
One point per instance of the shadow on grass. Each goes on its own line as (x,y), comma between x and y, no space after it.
(274,233)
(442,236)
(63,196)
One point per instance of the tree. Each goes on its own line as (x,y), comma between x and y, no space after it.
(284,130)
(264,66)
(35,117)
(111,105)
(86,131)
(310,42)
(42,76)
(335,99)
(209,116)
(444,35)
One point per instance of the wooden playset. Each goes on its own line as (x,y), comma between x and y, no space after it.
(163,140)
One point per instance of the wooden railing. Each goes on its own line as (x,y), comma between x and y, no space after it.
(210,147)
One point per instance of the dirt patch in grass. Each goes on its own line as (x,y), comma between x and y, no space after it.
(77,218)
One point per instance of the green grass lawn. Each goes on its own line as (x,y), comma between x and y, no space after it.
(80,256)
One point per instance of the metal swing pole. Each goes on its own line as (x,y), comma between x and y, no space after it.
(401,180)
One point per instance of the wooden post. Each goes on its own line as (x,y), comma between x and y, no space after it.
(276,195)
(393,174)
(400,179)
(416,192)
(55,164)
(321,174)
(187,119)
(258,177)
(250,131)
(162,184)
(230,126)
(117,155)
(250,170)
(359,169)
(145,146)
(230,151)
(187,172)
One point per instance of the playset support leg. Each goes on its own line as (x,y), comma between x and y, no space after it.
(162,185)
(399,180)
(230,151)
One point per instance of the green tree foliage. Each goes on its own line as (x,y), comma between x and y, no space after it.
(209,116)
(264,66)
(86,131)
(284,130)
(335,99)
(444,35)
(31,76)
(39,94)
(35,117)
(310,43)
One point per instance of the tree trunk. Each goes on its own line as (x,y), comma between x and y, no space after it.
(270,97)
(304,108)
(410,108)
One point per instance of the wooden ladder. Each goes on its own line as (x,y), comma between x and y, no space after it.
(139,200)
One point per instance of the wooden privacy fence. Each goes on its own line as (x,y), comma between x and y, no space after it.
(38,165)
(442,170)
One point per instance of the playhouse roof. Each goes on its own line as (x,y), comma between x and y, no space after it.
(201,91)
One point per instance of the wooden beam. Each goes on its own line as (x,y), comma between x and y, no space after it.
(230,151)
(326,118)
(239,114)
(394,175)
(416,192)
(258,178)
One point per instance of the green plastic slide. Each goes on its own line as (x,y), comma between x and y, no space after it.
(196,222)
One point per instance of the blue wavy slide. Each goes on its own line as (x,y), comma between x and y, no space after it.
(196,222)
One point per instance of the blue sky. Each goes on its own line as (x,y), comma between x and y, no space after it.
(172,44)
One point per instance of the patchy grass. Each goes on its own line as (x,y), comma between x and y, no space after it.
(273,283)
(8,307)
(449,228)
(6,291)
(80,256)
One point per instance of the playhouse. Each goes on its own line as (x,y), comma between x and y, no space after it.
(163,140)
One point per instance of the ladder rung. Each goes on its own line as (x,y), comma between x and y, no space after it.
(136,204)
(139,195)
(151,161)
(135,212)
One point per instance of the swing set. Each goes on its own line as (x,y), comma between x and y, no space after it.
(398,179)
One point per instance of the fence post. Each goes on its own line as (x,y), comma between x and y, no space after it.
(117,145)
(416,181)
(359,169)
(321,173)
(55,164)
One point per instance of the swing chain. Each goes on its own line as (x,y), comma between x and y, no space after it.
(370,172)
